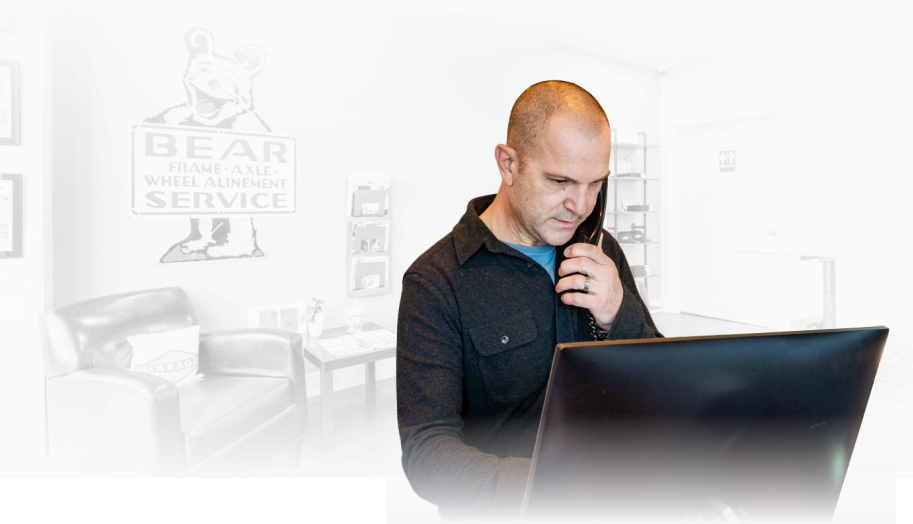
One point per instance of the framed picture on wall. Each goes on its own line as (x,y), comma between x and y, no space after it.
(9,103)
(10,216)
(7,19)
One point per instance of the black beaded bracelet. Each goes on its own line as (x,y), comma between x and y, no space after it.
(598,334)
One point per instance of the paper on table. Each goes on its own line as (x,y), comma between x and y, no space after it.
(359,343)
(375,339)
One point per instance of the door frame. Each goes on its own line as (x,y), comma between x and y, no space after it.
(669,202)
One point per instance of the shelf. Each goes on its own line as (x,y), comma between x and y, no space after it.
(635,212)
(646,277)
(634,178)
(629,145)
(638,243)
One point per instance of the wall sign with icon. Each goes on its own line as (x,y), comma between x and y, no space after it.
(367,235)
(727,161)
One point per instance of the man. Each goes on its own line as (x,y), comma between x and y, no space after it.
(481,311)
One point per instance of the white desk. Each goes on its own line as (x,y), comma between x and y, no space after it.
(828,260)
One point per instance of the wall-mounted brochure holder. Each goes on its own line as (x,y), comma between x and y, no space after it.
(367,235)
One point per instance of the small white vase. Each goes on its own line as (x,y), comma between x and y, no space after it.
(315,326)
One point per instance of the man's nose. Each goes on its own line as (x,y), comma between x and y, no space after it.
(576,202)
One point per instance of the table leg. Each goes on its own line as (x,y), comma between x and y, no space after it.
(829,269)
(369,379)
(326,408)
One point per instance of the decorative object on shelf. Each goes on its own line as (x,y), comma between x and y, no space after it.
(315,321)
(355,318)
(367,235)
(9,103)
(640,234)
(10,216)
(641,271)
(628,164)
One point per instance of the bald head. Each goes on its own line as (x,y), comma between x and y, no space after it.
(546,100)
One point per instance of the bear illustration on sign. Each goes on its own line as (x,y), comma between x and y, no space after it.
(219,95)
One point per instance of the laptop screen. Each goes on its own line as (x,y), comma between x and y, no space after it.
(754,427)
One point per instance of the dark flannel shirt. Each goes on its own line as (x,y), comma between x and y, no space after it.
(477,330)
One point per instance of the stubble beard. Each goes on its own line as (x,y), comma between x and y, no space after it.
(552,235)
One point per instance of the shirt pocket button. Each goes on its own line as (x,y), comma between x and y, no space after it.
(504,339)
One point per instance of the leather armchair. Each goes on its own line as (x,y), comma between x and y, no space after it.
(103,417)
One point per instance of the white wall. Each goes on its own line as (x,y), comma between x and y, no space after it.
(25,287)
(423,96)
(840,90)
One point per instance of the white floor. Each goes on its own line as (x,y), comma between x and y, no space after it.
(365,441)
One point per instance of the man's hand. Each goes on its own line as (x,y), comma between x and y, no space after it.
(605,291)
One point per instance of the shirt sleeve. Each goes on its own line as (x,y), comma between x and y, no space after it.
(633,319)
(429,386)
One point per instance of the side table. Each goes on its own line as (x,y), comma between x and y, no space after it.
(326,362)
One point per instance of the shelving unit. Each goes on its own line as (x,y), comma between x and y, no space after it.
(618,182)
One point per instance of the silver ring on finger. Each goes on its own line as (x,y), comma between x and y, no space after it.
(586,285)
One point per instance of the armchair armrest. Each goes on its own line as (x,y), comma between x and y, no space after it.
(257,352)
(133,419)
(251,352)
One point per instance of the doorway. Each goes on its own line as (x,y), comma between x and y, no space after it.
(728,218)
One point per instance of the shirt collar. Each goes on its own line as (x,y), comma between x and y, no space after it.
(471,233)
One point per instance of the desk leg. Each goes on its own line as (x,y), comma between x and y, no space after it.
(829,268)
(369,379)
(326,408)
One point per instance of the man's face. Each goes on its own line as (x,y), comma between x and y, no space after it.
(557,188)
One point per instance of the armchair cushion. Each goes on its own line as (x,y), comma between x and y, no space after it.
(217,410)
(172,355)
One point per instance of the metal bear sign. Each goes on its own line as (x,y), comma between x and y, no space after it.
(213,159)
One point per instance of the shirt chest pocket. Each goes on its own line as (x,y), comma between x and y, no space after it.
(512,362)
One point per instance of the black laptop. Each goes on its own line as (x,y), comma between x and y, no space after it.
(738,428)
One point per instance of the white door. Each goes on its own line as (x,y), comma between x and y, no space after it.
(729,188)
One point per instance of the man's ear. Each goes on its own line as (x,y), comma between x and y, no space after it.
(508,163)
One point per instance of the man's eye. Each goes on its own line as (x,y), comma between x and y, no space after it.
(559,182)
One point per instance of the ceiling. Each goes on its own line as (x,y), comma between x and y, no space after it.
(653,33)
(660,34)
